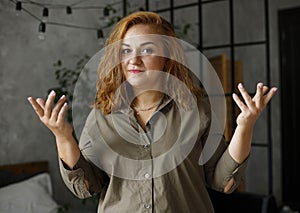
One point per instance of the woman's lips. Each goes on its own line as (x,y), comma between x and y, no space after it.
(135,71)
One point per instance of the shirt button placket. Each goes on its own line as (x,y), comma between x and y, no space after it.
(146,146)
(147,175)
(147,206)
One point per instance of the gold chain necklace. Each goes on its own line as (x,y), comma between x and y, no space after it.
(138,109)
(145,109)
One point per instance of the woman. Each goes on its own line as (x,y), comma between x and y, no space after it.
(137,88)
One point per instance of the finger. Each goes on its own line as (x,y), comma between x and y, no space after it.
(259,94)
(248,100)
(269,95)
(62,113)
(41,102)
(49,103)
(57,108)
(37,108)
(265,89)
(239,102)
(259,90)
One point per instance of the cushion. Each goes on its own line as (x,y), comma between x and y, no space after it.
(28,196)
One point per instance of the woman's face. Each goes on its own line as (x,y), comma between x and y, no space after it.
(141,52)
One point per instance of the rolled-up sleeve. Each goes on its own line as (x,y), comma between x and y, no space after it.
(228,168)
(85,179)
(222,167)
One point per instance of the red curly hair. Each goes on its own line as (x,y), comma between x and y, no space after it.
(110,75)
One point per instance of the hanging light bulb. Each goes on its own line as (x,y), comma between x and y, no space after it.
(42,30)
(18,8)
(106,11)
(45,14)
(100,37)
(106,14)
(68,10)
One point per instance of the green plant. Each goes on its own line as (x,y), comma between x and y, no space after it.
(182,31)
(63,209)
(112,18)
(67,78)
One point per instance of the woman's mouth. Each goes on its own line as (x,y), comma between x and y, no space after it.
(134,71)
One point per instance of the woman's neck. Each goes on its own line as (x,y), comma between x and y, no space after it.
(147,99)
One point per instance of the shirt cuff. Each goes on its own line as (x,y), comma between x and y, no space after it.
(233,169)
(74,179)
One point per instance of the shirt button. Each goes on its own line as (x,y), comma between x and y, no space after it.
(147,206)
(146,146)
(147,175)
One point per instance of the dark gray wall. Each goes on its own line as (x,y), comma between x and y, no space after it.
(27,70)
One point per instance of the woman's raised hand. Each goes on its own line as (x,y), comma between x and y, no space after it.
(251,108)
(53,117)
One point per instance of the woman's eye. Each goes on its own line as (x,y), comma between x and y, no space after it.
(125,51)
(147,51)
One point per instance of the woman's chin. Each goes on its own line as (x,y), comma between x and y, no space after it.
(138,80)
(145,80)
(139,83)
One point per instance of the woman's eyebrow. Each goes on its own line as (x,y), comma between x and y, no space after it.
(124,44)
(143,44)
(146,43)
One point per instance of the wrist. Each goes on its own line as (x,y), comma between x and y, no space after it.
(63,138)
(245,126)
(68,150)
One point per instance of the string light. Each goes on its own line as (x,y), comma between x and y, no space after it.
(68,8)
(106,14)
(45,14)
(106,11)
(42,30)
(100,37)
(18,7)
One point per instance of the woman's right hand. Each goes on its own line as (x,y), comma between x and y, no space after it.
(53,117)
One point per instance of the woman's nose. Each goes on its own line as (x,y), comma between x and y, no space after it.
(135,59)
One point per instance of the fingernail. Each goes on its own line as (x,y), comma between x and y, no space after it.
(62,97)
(275,89)
(38,100)
(29,99)
(241,85)
(52,93)
(260,85)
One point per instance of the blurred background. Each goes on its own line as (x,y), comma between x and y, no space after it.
(44,45)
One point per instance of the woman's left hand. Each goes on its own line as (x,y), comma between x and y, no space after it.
(251,108)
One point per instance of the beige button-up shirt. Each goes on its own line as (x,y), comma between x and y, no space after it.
(137,170)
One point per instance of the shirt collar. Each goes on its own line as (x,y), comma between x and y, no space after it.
(127,110)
